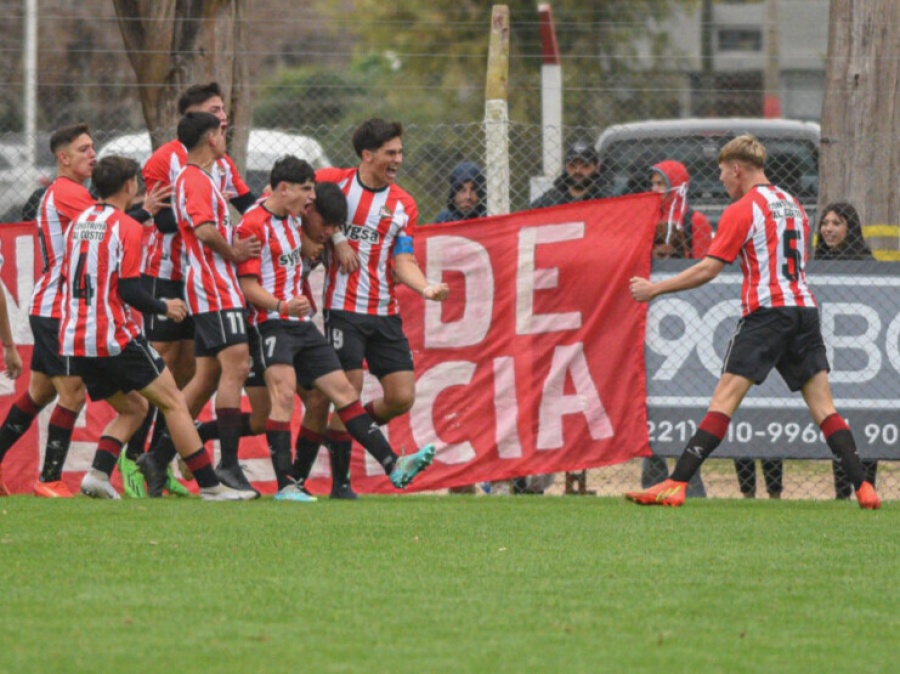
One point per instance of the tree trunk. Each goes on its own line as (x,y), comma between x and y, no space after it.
(860,160)
(173,44)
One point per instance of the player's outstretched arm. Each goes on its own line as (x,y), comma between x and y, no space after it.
(407,272)
(10,352)
(644,290)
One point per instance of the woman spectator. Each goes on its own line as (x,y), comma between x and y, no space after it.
(839,237)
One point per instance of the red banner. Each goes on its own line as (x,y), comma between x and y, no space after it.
(535,363)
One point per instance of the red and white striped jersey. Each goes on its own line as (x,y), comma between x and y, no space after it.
(165,251)
(210,281)
(377,218)
(103,245)
(278,268)
(769,229)
(62,203)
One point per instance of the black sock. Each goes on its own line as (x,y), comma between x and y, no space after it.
(137,442)
(278,436)
(366,432)
(159,429)
(164,450)
(308,443)
(209,430)
(340,446)
(229,435)
(59,437)
(773,473)
(17,422)
(708,436)
(843,446)
(108,450)
(202,469)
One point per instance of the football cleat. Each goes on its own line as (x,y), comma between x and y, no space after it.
(867,497)
(173,486)
(132,478)
(234,477)
(96,485)
(666,493)
(154,474)
(408,467)
(295,492)
(56,489)
(222,492)
(344,491)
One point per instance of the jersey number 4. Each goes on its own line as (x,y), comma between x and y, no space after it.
(83,288)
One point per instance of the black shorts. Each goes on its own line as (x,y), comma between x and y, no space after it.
(160,328)
(377,339)
(138,366)
(299,344)
(217,330)
(257,367)
(786,338)
(45,356)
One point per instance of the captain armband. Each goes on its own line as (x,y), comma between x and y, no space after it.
(404,245)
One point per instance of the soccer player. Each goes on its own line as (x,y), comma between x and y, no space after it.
(51,373)
(99,278)
(290,347)
(767,228)
(360,308)
(163,272)
(214,297)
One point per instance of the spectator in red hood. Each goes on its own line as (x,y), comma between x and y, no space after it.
(682,232)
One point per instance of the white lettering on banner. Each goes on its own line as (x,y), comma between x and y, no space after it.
(456,253)
(692,331)
(892,343)
(530,279)
(506,406)
(865,342)
(429,386)
(569,359)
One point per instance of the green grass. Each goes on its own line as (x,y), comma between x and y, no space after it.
(447,584)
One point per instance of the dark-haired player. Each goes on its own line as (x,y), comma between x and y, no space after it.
(163,270)
(51,373)
(768,230)
(99,279)
(361,310)
(214,296)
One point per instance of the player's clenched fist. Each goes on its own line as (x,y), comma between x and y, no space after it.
(176,310)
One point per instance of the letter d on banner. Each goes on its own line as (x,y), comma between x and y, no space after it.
(455,253)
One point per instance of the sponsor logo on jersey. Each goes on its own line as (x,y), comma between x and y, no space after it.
(363,234)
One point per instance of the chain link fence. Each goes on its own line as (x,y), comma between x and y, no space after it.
(85,76)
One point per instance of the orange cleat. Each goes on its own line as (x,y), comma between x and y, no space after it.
(666,493)
(4,490)
(52,490)
(868,499)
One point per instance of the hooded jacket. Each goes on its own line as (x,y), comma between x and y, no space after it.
(462,173)
(675,213)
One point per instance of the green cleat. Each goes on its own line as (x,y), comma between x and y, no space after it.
(408,467)
(173,486)
(132,478)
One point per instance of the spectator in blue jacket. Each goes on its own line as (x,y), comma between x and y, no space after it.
(467,194)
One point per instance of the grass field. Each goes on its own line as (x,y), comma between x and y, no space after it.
(448,584)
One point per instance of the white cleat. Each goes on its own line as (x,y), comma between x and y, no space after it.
(96,485)
(223,492)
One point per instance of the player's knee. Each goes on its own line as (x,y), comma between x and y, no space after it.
(400,402)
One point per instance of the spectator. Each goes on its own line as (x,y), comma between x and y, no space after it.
(680,233)
(581,180)
(840,237)
(467,197)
